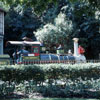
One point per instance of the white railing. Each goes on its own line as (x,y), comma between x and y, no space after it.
(53,62)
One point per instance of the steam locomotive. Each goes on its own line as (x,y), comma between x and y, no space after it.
(32,52)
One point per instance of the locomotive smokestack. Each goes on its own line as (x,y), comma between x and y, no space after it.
(76,47)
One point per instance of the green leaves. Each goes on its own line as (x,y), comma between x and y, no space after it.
(51,71)
(20,22)
(83,17)
(48,79)
(57,33)
(38,5)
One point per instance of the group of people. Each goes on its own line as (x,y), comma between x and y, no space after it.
(81,50)
(17,55)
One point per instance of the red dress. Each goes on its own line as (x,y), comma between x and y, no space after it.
(81,50)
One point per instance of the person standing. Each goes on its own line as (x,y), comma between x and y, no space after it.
(81,50)
(21,53)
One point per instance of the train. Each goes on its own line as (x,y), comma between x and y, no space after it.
(30,51)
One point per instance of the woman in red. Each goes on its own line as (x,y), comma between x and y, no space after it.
(81,50)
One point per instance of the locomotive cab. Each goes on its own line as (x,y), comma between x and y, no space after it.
(26,50)
(34,53)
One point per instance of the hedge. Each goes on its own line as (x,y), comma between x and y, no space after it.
(80,80)
(49,71)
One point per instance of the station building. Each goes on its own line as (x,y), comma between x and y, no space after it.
(2,13)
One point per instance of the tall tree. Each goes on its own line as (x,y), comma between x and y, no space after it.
(58,33)
(84,15)
(20,22)
(88,26)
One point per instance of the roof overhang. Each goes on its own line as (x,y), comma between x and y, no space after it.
(24,42)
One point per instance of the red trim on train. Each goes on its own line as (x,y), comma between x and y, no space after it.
(35,52)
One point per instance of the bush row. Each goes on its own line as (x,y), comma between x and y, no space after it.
(78,88)
(45,72)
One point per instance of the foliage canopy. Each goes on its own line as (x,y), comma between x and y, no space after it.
(25,17)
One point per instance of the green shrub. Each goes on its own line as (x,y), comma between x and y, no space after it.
(55,80)
(51,72)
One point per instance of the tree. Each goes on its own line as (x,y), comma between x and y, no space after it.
(20,22)
(13,23)
(88,26)
(57,33)
(30,23)
(50,14)
(82,15)
(85,20)
(3,6)
(38,5)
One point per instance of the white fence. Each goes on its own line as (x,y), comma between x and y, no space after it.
(53,61)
